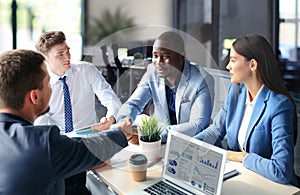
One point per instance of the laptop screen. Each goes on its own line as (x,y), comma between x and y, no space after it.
(193,164)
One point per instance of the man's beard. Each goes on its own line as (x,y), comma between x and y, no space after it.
(47,110)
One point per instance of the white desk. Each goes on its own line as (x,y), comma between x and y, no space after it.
(247,182)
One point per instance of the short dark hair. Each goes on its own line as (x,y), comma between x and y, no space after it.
(48,40)
(20,72)
(174,38)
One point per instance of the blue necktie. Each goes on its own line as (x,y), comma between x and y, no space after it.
(171,98)
(67,106)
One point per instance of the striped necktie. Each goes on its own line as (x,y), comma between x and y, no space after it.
(67,106)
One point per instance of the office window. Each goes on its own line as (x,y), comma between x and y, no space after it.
(35,17)
(289,30)
(289,45)
(5,26)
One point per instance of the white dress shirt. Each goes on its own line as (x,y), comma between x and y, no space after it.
(249,105)
(84,81)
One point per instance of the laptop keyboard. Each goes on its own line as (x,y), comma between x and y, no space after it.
(163,188)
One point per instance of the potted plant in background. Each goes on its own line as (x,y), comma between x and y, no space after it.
(149,137)
(107,24)
(138,59)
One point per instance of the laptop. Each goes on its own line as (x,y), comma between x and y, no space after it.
(190,166)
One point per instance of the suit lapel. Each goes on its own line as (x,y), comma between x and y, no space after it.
(258,110)
(182,86)
(240,109)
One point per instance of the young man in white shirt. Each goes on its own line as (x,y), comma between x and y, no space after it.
(84,81)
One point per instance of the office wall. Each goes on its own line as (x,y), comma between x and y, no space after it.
(238,18)
(247,16)
(144,12)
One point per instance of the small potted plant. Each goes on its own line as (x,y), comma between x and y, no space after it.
(150,140)
(150,130)
(138,58)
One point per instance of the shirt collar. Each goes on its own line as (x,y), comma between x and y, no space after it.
(255,98)
(54,78)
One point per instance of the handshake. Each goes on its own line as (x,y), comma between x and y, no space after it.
(125,125)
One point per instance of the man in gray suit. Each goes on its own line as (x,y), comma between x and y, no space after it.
(37,159)
(182,92)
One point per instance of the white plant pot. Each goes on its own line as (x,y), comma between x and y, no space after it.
(152,150)
(138,62)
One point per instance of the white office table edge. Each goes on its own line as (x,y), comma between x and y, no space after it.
(247,182)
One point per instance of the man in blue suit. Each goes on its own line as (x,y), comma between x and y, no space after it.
(182,92)
(37,159)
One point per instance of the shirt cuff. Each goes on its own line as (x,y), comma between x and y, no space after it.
(245,157)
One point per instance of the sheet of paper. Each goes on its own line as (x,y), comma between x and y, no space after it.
(83,133)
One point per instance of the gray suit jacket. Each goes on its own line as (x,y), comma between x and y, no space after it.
(37,159)
(193,104)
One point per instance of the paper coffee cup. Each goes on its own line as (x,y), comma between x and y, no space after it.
(138,167)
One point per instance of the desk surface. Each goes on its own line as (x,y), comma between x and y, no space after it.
(117,176)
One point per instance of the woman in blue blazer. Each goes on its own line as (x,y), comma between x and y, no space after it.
(258,116)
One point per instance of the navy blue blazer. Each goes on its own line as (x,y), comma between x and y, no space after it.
(269,138)
(37,159)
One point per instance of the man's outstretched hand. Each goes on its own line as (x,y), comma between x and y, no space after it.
(131,133)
